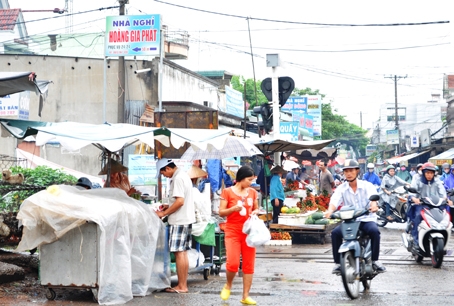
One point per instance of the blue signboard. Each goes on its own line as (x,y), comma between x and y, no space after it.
(291,128)
(234,103)
(295,104)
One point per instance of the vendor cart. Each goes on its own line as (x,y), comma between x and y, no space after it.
(72,261)
(317,230)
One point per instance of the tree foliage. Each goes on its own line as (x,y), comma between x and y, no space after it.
(238,84)
(40,176)
(306,91)
(335,126)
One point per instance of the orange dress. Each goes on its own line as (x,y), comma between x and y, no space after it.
(235,239)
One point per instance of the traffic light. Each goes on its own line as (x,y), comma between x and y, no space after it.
(286,86)
(266,114)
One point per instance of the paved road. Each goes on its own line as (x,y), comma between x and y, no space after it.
(301,275)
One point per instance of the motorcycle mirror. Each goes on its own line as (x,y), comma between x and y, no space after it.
(374,197)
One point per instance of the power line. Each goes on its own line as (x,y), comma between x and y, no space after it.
(310,23)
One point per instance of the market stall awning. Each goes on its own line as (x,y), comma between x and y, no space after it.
(14,82)
(445,157)
(311,154)
(404,159)
(22,128)
(272,146)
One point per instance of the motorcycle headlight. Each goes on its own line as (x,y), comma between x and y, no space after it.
(347,214)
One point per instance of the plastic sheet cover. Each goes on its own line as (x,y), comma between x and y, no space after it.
(132,242)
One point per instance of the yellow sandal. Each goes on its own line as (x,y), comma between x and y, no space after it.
(225,293)
(248,301)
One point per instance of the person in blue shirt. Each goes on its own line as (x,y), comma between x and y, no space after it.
(371,176)
(277,195)
(445,171)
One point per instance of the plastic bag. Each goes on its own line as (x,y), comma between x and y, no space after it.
(208,235)
(257,232)
(195,258)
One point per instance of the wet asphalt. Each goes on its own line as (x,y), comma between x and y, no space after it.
(301,275)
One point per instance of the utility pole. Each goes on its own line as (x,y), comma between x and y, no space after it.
(121,75)
(361,119)
(396,115)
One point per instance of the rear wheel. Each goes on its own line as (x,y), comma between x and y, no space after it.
(438,252)
(381,221)
(349,278)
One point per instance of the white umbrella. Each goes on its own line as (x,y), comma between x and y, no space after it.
(230,147)
(289,165)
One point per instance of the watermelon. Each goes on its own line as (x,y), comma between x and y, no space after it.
(309,220)
(321,221)
(317,216)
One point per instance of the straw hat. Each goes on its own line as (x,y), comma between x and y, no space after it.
(196,172)
(114,168)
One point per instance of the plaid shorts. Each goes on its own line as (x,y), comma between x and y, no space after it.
(180,238)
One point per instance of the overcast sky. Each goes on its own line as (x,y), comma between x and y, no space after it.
(347,63)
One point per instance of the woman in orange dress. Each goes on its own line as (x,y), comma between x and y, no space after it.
(237,204)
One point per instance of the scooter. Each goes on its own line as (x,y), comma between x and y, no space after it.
(355,252)
(399,213)
(434,231)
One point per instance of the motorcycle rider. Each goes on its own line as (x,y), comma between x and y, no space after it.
(426,186)
(354,192)
(418,174)
(388,184)
(404,174)
(371,176)
(449,183)
(445,171)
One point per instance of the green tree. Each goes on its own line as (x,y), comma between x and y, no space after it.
(238,84)
(335,126)
(40,176)
(306,91)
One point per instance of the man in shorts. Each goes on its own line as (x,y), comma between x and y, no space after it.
(181,216)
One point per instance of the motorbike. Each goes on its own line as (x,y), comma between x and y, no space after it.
(434,231)
(399,213)
(355,252)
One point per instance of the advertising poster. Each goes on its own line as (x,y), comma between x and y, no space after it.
(392,137)
(314,108)
(305,125)
(142,169)
(15,105)
(132,35)
(295,104)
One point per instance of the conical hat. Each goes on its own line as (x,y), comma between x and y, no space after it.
(114,168)
(196,172)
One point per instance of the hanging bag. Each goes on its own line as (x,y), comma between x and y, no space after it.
(257,232)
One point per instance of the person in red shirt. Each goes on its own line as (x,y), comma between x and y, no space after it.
(237,204)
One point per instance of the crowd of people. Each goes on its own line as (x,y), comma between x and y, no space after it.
(346,186)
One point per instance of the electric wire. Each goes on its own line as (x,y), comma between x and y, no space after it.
(310,23)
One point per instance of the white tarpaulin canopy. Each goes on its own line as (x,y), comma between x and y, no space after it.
(114,137)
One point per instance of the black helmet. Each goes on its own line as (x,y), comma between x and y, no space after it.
(350,164)
(84,182)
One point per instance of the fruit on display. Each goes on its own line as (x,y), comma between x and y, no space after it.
(284,209)
(321,221)
(280,236)
(317,216)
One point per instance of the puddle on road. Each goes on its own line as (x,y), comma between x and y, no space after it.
(293,280)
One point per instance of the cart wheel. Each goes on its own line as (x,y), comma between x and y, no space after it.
(50,294)
(95,294)
(206,274)
(218,270)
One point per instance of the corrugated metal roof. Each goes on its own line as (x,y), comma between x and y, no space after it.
(8,19)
